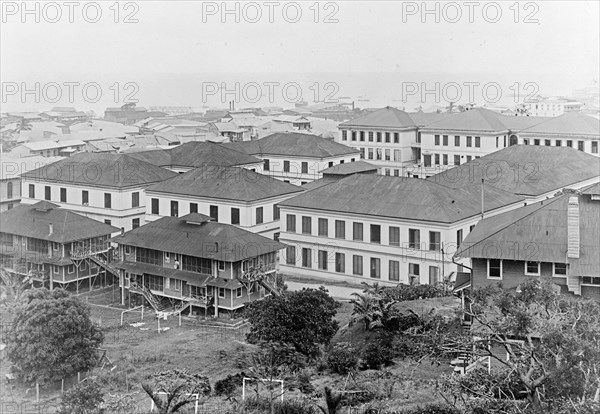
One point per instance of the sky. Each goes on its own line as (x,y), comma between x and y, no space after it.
(173,52)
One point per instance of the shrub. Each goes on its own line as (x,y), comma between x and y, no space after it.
(378,352)
(85,398)
(433,409)
(227,386)
(342,358)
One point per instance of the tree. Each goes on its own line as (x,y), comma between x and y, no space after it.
(52,337)
(548,341)
(172,390)
(85,398)
(304,319)
(12,288)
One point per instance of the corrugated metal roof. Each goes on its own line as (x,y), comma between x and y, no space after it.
(229,183)
(209,240)
(404,198)
(34,221)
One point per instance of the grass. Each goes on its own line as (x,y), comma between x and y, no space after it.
(138,352)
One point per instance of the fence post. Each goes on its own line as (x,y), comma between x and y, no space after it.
(62,386)
(78,377)
(37,392)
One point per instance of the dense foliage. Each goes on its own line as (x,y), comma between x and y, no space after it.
(304,319)
(174,389)
(85,398)
(342,358)
(52,337)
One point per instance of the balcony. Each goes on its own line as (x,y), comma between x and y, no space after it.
(90,250)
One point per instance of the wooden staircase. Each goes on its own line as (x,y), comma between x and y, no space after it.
(574,285)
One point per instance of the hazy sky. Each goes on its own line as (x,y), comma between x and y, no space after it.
(186,37)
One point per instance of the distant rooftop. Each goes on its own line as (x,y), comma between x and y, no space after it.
(349,168)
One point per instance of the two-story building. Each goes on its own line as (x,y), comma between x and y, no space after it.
(196,262)
(556,239)
(369,227)
(296,158)
(231,195)
(105,187)
(47,244)
(387,138)
(192,155)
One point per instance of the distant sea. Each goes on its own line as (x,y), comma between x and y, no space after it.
(409,90)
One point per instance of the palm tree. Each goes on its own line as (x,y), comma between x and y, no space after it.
(364,309)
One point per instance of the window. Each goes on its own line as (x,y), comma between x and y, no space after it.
(469,158)
(394,271)
(469,141)
(457,160)
(127,249)
(135,223)
(175,284)
(340,229)
(193,207)
(588,280)
(290,255)
(362,135)
(9,190)
(370,136)
(434,275)
(414,270)
(149,256)
(559,269)
(457,140)
(238,292)
(353,135)
(497,142)
(135,199)
(214,213)
(394,236)
(594,147)
(56,269)
(396,138)
(340,262)
(276,236)
(547,142)
(154,204)
(532,268)
(31,190)
(580,145)
(344,135)
(107,200)
(427,160)
(459,237)
(525,141)
(445,140)
(362,153)
(286,166)
(558,143)
(330,164)
(63,195)
(221,292)
(378,152)
(291,223)
(174,208)
(370,153)
(235,215)
(323,259)
(387,137)
(477,142)
(304,167)
(85,197)
(379,137)
(375,268)
(494,269)
(437,159)
(445,159)
(259,215)
(357,265)
(107,221)
(434,241)
(221,265)
(306,225)
(437,140)
(357,231)
(47,193)
(414,238)
(537,142)
(387,155)
(375,233)
(569,143)
(71,268)
(306,257)
(323,227)
(397,156)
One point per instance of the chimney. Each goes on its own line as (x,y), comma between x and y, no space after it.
(50,229)
(573,228)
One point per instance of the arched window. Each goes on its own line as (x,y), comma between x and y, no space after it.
(9,190)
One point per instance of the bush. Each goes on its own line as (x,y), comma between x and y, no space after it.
(378,352)
(227,386)
(342,358)
(433,409)
(261,405)
(412,292)
(85,398)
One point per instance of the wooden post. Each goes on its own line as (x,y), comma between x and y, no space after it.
(180,318)
(37,392)
(142,310)
(62,386)
(78,377)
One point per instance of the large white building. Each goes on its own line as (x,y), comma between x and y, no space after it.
(230,195)
(104,187)
(296,158)
(424,144)
(552,106)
